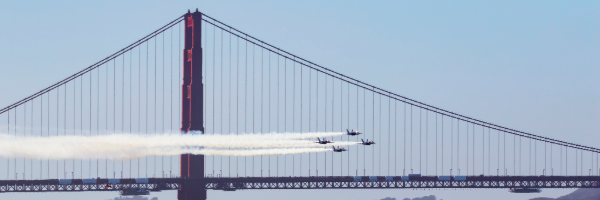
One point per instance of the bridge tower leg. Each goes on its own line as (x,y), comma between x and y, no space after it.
(192,166)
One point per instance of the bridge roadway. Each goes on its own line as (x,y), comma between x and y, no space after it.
(335,182)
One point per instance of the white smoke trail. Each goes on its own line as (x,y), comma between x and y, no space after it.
(136,153)
(123,145)
(251,152)
(273,135)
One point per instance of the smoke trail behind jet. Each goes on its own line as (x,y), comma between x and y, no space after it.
(126,145)
(171,151)
(250,152)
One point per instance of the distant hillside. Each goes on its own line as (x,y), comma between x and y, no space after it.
(579,194)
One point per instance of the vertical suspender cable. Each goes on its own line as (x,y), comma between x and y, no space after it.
(31,133)
(97,118)
(332,109)
(285,110)
(221,102)
(24,135)
(389,130)
(74,121)
(155,104)
(170,102)
(293,112)
(213,90)
(90,134)
(123,99)
(237,103)
(139,129)
(57,125)
(162,122)
(278,109)
(253,99)
(317,122)
(404,151)
(146,124)
(229,111)
(301,111)
(269,127)
(81,121)
(16,109)
(65,122)
(15,159)
(130,88)
(262,74)
(8,131)
(115,100)
(246,100)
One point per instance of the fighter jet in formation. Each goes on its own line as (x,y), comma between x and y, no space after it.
(353,132)
(367,142)
(323,141)
(338,149)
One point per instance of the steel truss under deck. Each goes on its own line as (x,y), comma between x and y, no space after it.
(345,182)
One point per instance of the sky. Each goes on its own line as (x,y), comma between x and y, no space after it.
(531,66)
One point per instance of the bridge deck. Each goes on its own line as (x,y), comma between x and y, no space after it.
(339,182)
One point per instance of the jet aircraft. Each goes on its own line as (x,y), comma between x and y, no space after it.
(367,142)
(323,141)
(338,149)
(353,132)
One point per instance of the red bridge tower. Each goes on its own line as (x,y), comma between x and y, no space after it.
(192,107)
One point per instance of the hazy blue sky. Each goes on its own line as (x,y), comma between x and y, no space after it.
(528,65)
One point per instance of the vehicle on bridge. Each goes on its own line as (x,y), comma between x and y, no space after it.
(367,142)
(134,192)
(323,141)
(353,132)
(524,190)
(338,149)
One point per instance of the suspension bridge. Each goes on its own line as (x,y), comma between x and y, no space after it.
(198,74)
